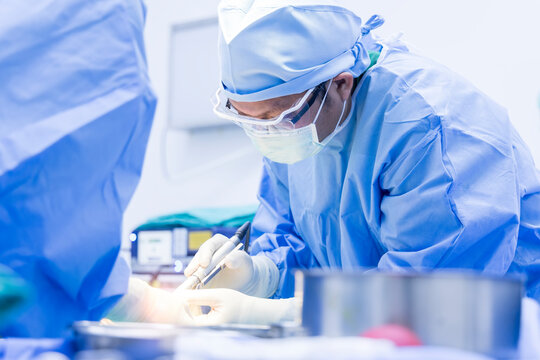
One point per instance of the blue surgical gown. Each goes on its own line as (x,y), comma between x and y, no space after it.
(75,114)
(428,173)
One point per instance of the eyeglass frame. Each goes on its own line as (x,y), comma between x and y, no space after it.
(302,104)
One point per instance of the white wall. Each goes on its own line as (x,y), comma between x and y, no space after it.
(494,43)
(186,169)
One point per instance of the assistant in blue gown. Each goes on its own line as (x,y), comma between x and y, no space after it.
(75,114)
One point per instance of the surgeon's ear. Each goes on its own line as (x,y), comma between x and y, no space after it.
(344,83)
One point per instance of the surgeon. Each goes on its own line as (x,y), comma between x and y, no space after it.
(374,157)
(76,110)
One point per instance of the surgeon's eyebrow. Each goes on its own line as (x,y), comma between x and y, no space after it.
(265,115)
(281,105)
(273,112)
(275,109)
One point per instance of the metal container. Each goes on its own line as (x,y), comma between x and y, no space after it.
(455,309)
(134,340)
(149,341)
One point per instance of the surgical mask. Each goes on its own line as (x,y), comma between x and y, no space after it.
(291,146)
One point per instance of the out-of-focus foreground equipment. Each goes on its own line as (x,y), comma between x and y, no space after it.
(464,310)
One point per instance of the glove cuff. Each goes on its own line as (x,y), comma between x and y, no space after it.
(265,279)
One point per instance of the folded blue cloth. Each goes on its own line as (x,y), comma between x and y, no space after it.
(209,217)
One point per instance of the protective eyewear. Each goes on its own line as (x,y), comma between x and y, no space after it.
(288,119)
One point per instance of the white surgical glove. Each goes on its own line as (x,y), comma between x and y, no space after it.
(144,303)
(252,275)
(230,306)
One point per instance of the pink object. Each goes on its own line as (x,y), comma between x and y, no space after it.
(398,334)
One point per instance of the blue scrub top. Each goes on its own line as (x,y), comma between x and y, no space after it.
(427,173)
(75,114)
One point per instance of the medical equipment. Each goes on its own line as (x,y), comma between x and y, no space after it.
(169,250)
(219,267)
(150,341)
(203,275)
(460,309)
(165,244)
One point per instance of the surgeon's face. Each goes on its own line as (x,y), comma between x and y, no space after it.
(340,90)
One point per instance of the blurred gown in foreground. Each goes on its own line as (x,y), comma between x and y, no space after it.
(75,114)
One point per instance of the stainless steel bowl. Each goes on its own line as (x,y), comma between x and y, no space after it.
(455,309)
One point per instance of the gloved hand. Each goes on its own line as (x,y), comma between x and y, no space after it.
(230,306)
(144,303)
(257,275)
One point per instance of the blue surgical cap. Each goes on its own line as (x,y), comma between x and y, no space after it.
(272,48)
